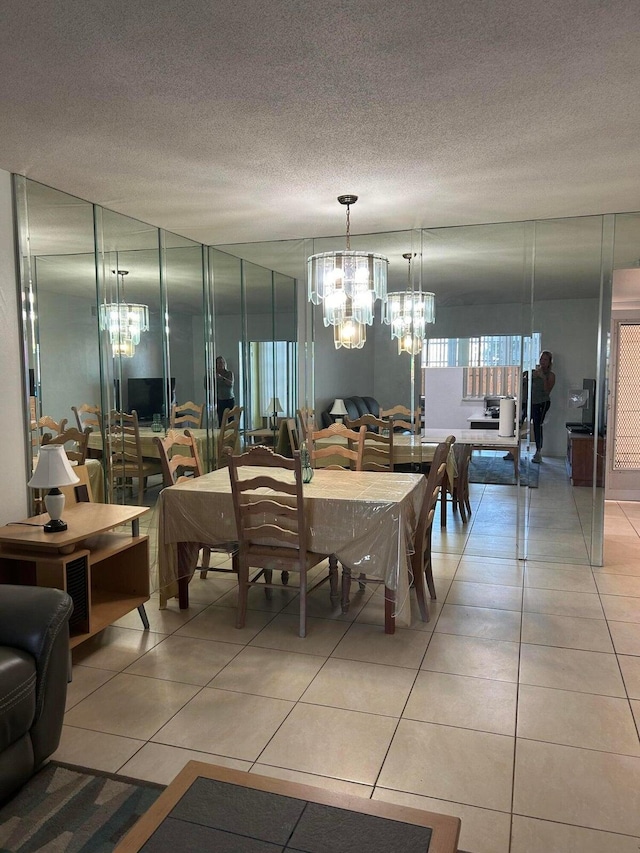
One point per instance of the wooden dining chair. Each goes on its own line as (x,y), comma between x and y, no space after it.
(460,490)
(228,436)
(186,416)
(288,441)
(421,558)
(75,443)
(306,423)
(343,447)
(124,453)
(180,461)
(272,527)
(87,416)
(377,452)
(404,420)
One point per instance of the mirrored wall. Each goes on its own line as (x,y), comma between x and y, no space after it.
(547,281)
(120,317)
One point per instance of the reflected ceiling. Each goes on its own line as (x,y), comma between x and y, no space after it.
(241,121)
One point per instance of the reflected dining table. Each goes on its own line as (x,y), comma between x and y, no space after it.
(367,519)
(150,448)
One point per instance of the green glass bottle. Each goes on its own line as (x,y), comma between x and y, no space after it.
(305,459)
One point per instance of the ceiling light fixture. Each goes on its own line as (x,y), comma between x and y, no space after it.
(124,321)
(408,313)
(347,283)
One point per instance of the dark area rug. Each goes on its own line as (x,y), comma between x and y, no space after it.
(74,810)
(495,469)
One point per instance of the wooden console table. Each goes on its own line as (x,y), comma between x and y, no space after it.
(207,807)
(106,572)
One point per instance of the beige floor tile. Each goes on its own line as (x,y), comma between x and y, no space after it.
(164,621)
(630,667)
(115,648)
(185,659)
(448,543)
(257,600)
(496,596)
(570,632)
(219,623)
(482,545)
(210,589)
(479,622)
(610,584)
(269,672)
(96,750)
(626,637)
(558,551)
(490,572)
(131,706)
(473,656)
(570,580)
(562,603)
(541,518)
(449,763)
(538,836)
(331,742)
(330,784)
(582,787)
(358,686)
(222,722)
(323,635)
(635,707)
(369,643)
(444,565)
(620,608)
(85,680)
(470,703)
(571,669)
(156,762)
(577,719)
(482,830)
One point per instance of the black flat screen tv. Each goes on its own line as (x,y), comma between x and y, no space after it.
(147,396)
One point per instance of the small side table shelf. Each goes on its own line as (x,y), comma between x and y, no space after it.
(105,571)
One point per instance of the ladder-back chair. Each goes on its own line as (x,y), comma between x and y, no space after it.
(341,446)
(228,435)
(186,416)
(87,416)
(377,452)
(403,419)
(125,459)
(272,529)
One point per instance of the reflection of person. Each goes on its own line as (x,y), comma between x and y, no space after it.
(542,381)
(224,388)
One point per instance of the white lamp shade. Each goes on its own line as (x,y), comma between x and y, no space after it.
(53,469)
(274,406)
(338,408)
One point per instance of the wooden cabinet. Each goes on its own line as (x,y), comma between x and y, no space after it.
(105,571)
(580,459)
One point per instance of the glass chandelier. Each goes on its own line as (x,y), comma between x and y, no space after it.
(124,321)
(408,313)
(347,283)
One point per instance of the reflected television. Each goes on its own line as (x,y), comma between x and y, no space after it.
(147,396)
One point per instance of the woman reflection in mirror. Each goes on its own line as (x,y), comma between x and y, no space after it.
(542,381)
(224,388)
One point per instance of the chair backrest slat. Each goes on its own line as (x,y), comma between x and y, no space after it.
(79,441)
(404,419)
(347,445)
(186,416)
(174,462)
(378,442)
(228,436)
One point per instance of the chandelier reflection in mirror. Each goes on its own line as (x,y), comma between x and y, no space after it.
(347,283)
(408,313)
(124,321)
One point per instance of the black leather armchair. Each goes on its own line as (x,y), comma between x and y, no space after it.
(356,407)
(34,670)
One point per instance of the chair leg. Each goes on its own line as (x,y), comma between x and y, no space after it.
(303,601)
(243,590)
(268,577)
(428,569)
(418,582)
(333,579)
(284,578)
(346,587)
(206,556)
(362,581)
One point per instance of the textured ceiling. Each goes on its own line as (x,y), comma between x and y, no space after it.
(242,120)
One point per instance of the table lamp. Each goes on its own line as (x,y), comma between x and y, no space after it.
(338,410)
(274,407)
(53,470)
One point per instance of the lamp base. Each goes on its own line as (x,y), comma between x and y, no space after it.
(56,525)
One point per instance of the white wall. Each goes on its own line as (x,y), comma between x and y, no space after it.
(444,407)
(13,494)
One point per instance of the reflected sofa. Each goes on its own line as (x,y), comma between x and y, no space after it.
(356,407)
(34,670)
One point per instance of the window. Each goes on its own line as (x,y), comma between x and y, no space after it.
(272,372)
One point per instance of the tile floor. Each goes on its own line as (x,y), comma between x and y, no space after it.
(516,707)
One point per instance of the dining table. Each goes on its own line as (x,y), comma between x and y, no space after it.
(150,448)
(367,519)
